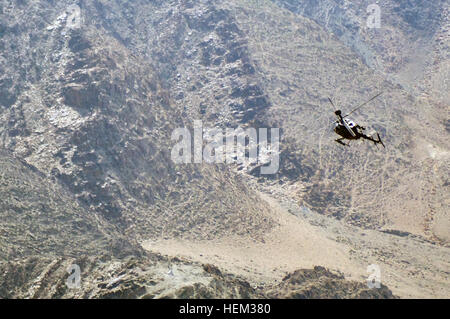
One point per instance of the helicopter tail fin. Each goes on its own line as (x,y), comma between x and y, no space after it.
(379,140)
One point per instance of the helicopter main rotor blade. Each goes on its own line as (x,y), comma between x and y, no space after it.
(334,110)
(360,106)
(334,107)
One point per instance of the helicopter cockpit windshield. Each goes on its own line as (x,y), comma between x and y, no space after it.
(350,123)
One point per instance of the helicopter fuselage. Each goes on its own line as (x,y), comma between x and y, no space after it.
(343,131)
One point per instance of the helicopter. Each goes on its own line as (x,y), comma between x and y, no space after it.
(349,130)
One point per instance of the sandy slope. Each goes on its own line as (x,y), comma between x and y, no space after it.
(291,245)
(409,266)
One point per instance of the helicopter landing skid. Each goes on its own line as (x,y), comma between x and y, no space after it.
(339,140)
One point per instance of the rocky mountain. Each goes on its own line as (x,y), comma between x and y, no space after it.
(91,91)
(99,120)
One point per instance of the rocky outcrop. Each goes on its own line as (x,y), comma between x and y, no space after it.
(321,283)
(158,277)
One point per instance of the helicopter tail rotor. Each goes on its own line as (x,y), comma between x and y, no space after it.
(375,138)
(380,141)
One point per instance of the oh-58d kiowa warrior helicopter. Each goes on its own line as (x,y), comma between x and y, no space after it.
(349,130)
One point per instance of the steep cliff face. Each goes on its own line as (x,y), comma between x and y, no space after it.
(198,50)
(98,118)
